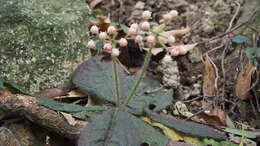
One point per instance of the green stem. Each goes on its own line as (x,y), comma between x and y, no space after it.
(145,66)
(116,77)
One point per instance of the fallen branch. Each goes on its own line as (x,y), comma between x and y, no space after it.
(26,106)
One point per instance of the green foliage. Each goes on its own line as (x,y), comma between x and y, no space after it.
(241,39)
(38,37)
(118,127)
(13,88)
(65,107)
(212,142)
(190,128)
(245,133)
(252,53)
(95,77)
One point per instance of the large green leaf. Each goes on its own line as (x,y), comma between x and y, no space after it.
(117,127)
(66,107)
(95,77)
(13,88)
(187,127)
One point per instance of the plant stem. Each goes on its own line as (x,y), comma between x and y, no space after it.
(146,63)
(116,77)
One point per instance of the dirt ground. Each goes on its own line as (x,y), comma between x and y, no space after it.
(207,19)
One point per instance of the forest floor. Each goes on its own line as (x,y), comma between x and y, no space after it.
(212,26)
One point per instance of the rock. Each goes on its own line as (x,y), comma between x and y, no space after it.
(39,38)
(170,71)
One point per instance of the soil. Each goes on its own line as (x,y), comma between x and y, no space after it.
(207,19)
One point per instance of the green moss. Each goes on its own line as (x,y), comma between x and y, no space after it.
(38,39)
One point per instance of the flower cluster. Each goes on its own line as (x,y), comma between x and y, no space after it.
(141,33)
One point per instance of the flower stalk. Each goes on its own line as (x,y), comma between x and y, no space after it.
(117,82)
(144,68)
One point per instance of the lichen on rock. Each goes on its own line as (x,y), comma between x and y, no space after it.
(39,39)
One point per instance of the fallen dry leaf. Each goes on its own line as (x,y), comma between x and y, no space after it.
(184,48)
(69,118)
(155,51)
(176,33)
(215,117)
(209,78)
(4,93)
(102,24)
(243,82)
(94,3)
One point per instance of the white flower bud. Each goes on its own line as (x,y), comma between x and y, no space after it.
(115,52)
(107,47)
(175,52)
(171,39)
(138,39)
(123,42)
(111,30)
(151,39)
(174,13)
(103,35)
(94,29)
(91,44)
(167,17)
(147,15)
(132,31)
(145,26)
(134,25)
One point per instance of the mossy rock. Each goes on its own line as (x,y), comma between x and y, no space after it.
(41,40)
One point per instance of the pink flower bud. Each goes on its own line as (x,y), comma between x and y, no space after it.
(111,30)
(147,15)
(103,35)
(145,26)
(107,47)
(115,52)
(91,44)
(94,29)
(167,17)
(134,25)
(132,31)
(174,13)
(123,42)
(175,52)
(138,39)
(171,39)
(151,39)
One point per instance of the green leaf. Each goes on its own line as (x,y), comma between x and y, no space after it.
(118,127)
(248,134)
(96,78)
(187,127)
(99,45)
(212,142)
(66,107)
(241,39)
(13,88)
(229,122)
(125,28)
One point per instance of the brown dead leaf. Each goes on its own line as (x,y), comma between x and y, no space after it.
(94,3)
(155,51)
(176,33)
(69,118)
(4,93)
(184,49)
(103,23)
(51,93)
(215,117)
(209,78)
(243,82)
